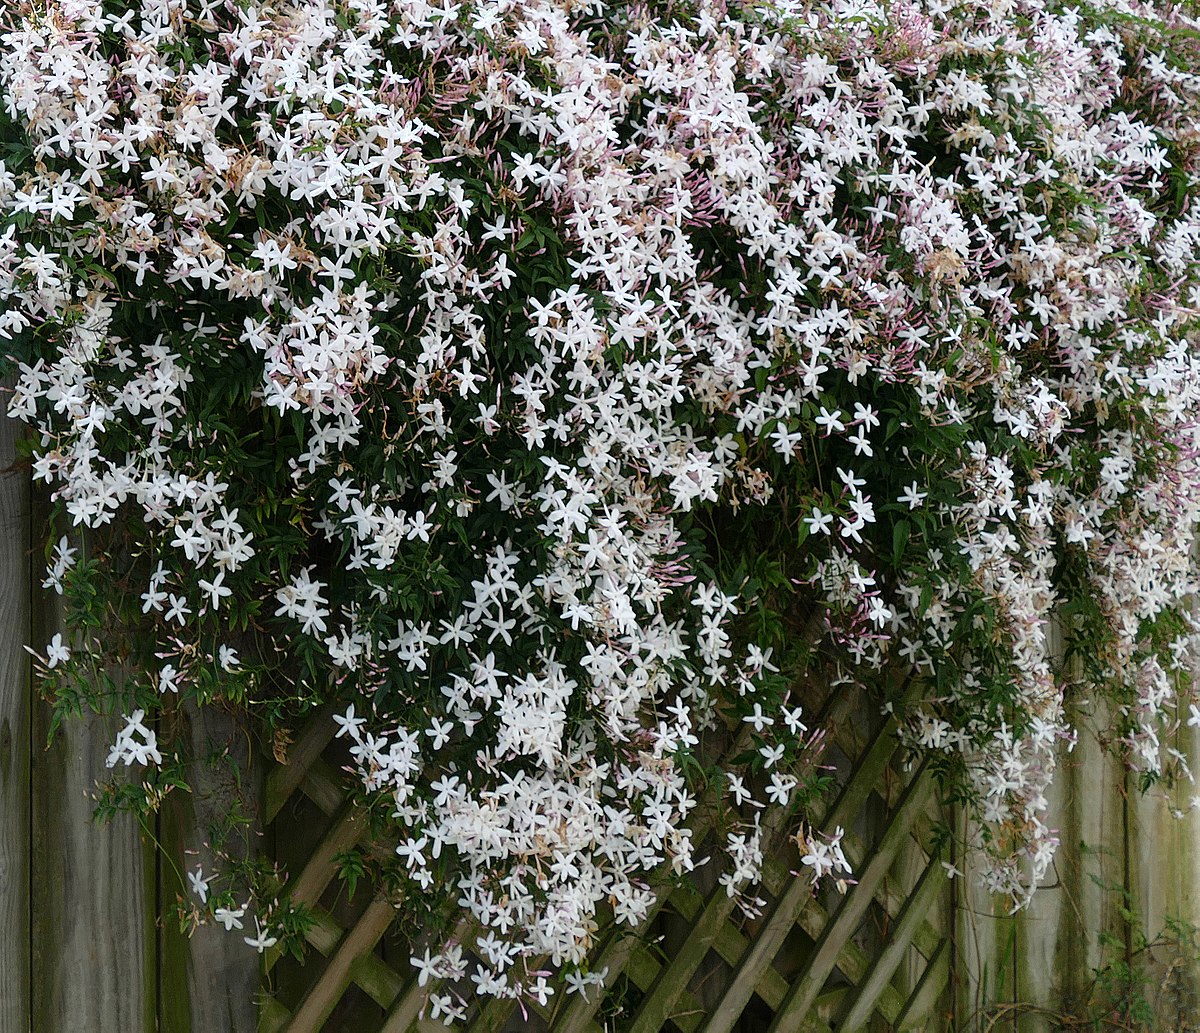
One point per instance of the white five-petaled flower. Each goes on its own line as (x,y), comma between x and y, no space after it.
(57,652)
(912,496)
(818,522)
(199,884)
(230,919)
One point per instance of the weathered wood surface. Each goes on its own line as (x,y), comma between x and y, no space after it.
(93,935)
(14,739)
(210,980)
(1125,866)
(88,937)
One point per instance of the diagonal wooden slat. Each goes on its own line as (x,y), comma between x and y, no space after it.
(616,952)
(673,982)
(618,948)
(272,1016)
(853,962)
(731,944)
(846,920)
(645,970)
(323,997)
(926,939)
(788,908)
(870,989)
(382,983)
(776,877)
(285,778)
(929,988)
(311,883)
(322,786)
(322,866)
(406,1009)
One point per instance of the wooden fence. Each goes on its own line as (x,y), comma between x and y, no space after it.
(85,944)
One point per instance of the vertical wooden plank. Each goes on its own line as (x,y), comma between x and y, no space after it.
(1183,899)
(983,966)
(1045,956)
(14,735)
(93,962)
(210,980)
(1061,930)
(1164,880)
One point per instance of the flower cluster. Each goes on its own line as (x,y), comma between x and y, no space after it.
(556,384)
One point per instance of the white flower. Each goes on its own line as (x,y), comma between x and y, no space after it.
(56,652)
(199,884)
(818,522)
(301,600)
(215,589)
(260,941)
(428,967)
(348,723)
(228,918)
(830,421)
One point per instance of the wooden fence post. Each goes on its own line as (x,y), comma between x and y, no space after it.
(93,919)
(14,739)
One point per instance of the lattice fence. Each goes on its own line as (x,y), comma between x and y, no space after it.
(876,959)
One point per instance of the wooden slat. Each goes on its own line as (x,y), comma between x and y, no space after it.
(493,1015)
(322,865)
(92,906)
(93,903)
(704,933)
(382,983)
(898,939)
(284,779)
(890,898)
(929,988)
(272,1016)
(407,1017)
(853,962)
(310,884)
(731,944)
(617,950)
(14,735)
(321,785)
(406,1010)
(788,908)
(322,998)
(800,999)
(644,970)
(323,933)
(672,983)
